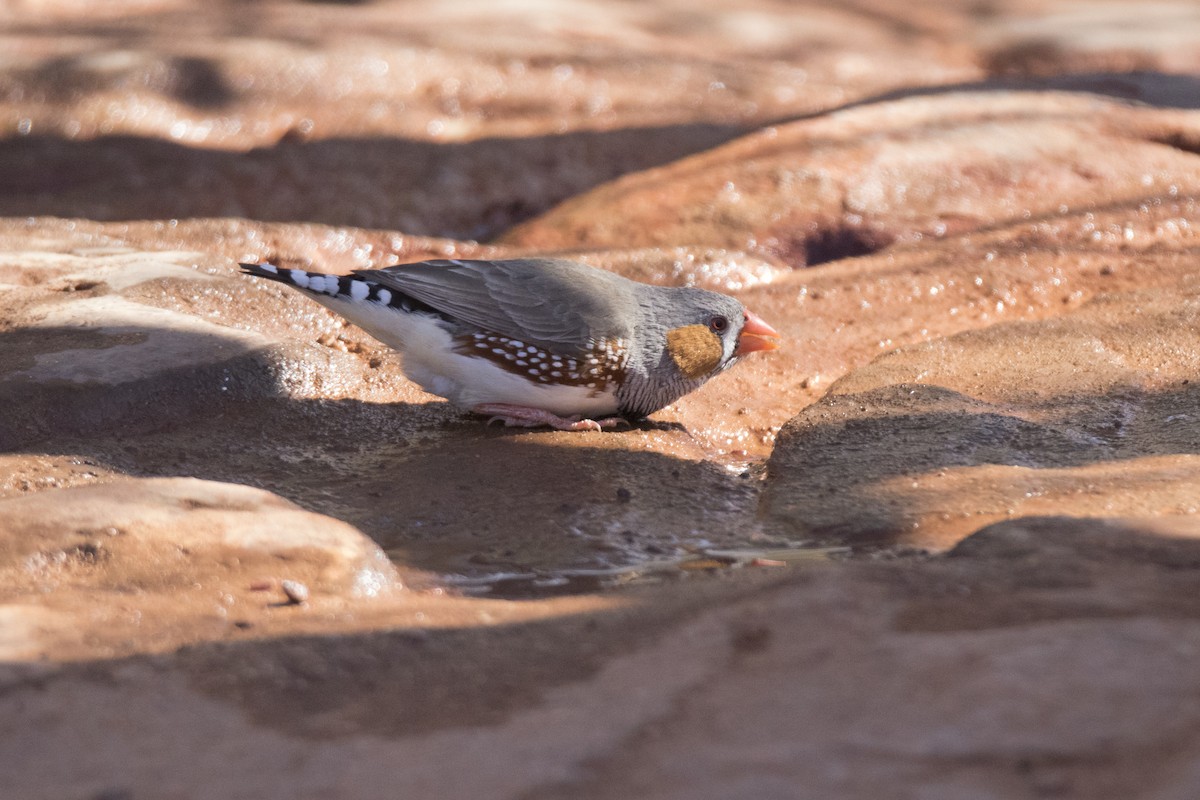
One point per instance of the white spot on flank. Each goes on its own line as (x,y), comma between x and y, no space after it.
(359,290)
(534,372)
(498,351)
(299,277)
(385,297)
(522,362)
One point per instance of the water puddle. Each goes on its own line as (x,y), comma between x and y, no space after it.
(533,585)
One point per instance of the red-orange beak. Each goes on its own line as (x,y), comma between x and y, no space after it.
(756,335)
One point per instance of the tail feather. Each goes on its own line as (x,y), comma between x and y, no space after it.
(315,282)
(346,287)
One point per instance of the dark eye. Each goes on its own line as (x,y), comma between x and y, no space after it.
(718,324)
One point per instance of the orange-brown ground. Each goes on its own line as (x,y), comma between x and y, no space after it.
(943,543)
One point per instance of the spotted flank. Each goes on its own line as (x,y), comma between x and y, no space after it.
(346,287)
(603,365)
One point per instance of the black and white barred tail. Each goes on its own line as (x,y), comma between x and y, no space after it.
(344,287)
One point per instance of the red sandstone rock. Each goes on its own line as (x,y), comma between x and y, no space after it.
(1004,361)
(900,172)
(1087,414)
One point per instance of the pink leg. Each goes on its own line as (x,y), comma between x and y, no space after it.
(525,417)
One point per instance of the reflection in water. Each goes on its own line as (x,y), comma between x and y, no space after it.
(531,585)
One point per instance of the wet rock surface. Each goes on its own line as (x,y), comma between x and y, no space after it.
(943,543)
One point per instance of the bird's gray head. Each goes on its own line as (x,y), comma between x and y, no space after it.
(687,336)
(704,332)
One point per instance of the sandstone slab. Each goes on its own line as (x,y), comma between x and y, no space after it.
(839,681)
(100,334)
(85,567)
(102,358)
(167,362)
(1087,414)
(860,179)
(440,118)
(1056,38)
(164,534)
(992,351)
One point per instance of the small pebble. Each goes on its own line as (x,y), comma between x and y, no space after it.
(297,593)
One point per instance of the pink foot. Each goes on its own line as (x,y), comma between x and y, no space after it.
(525,417)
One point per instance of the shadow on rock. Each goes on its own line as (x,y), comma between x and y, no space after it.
(1046,569)
(446,677)
(1027,688)
(198,82)
(462,190)
(119,383)
(406,678)
(442,492)
(1152,87)
(437,488)
(925,466)
(123,379)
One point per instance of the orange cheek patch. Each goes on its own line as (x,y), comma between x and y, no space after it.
(695,350)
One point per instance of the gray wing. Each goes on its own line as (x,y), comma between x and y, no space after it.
(559,305)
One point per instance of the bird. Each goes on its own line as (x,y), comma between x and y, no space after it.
(533,342)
